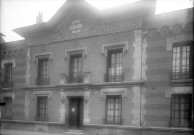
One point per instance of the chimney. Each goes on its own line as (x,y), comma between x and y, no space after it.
(39,17)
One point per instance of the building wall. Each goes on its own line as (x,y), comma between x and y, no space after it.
(147,64)
(14,52)
(94,56)
(159,86)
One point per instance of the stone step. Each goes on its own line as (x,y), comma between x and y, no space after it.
(73,132)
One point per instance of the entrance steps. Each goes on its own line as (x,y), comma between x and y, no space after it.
(73,132)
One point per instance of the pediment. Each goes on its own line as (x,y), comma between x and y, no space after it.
(76,17)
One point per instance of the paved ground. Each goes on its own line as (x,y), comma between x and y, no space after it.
(18,132)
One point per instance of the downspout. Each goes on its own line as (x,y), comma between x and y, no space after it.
(141,76)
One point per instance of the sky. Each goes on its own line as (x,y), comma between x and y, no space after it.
(19,13)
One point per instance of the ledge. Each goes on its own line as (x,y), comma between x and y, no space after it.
(102,84)
(187,82)
(7,89)
(75,85)
(120,83)
(39,87)
(31,122)
(141,128)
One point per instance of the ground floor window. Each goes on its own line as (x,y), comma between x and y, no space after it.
(7,108)
(181,110)
(42,108)
(113,109)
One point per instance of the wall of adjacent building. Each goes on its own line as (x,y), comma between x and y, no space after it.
(15,52)
(161,32)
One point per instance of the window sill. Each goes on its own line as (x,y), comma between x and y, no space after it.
(182,82)
(8,88)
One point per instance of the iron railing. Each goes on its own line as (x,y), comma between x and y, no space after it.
(7,84)
(76,79)
(114,77)
(42,81)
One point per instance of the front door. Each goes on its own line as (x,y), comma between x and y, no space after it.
(75,112)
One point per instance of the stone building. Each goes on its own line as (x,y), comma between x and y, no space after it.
(114,72)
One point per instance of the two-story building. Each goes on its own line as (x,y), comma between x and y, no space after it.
(120,71)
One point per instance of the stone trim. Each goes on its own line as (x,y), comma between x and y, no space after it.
(8,94)
(83,85)
(83,51)
(124,45)
(114,91)
(7,54)
(87,31)
(176,39)
(43,55)
(64,94)
(42,93)
(178,90)
(3,62)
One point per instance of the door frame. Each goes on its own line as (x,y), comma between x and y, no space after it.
(67,115)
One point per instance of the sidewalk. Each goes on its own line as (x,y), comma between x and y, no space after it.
(19,132)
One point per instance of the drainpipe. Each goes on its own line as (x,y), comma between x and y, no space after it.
(141,79)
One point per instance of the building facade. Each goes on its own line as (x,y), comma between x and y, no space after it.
(101,73)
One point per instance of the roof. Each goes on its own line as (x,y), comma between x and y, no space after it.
(72,6)
(1,38)
(52,23)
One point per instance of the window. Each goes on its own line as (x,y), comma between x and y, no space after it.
(181,110)
(42,108)
(76,69)
(43,71)
(113,109)
(8,75)
(182,61)
(114,64)
(7,109)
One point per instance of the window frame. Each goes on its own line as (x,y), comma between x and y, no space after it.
(115,53)
(180,73)
(179,110)
(44,117)
(114,104)
(41,80)
(79,75)
(8,75)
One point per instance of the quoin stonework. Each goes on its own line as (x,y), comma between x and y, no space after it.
(119,72)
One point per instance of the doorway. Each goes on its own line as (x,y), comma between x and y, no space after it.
(75,112)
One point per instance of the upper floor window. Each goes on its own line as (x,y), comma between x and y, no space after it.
(182,61)
(76,75)
(114,65)
(8,69)
(113,109)
(181,110)
(42,77)
(42,108)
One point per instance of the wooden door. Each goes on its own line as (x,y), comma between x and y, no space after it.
(75,112)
